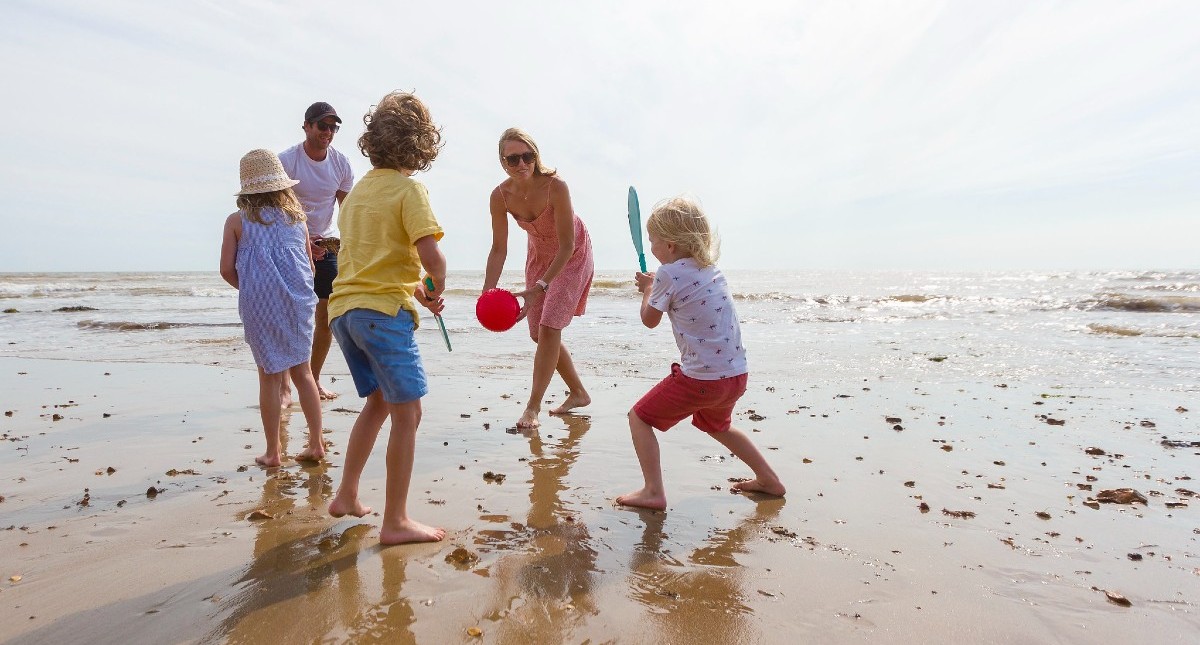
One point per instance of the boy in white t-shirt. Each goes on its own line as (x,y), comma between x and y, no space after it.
(711,375)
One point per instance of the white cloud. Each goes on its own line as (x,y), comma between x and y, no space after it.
(817,134)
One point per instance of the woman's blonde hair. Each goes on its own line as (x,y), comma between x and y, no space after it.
(521,136)
(680,221)
(399,133)
(285,200)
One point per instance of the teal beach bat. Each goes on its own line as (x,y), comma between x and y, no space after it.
(635,226)
(441,323)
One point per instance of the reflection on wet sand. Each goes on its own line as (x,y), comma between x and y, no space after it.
(707,594)
(303,579)
(545,590)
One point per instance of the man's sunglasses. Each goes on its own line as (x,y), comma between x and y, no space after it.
(513,160)
(327,127)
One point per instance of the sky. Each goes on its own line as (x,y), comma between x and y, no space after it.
(844,135)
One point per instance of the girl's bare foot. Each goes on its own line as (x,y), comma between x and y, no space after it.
(529,419)
(285,399)
(770,488)
(408,532)
(269,460)
(340,508)
(311,454)
(643,498)
(573,401)
(326,395)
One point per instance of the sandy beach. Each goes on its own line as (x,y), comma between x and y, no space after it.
(1010,549)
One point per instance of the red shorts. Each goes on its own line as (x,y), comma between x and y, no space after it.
(709,403)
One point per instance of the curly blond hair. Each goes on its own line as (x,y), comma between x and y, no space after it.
(400,134)
(285,200)
(521,136)
(680,221)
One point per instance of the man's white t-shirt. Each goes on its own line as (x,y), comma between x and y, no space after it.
(698,302)
(319,183)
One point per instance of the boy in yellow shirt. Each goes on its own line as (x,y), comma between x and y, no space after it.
(389,234)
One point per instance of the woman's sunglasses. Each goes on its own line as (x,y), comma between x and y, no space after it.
(327,127)
(513,160)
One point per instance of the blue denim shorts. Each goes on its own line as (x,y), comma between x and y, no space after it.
(381,352)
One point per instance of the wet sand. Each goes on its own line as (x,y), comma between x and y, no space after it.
(543,555)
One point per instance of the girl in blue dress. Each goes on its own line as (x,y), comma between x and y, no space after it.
(266,257)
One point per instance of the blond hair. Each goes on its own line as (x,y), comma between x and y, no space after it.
(285,200)
(680,221)
(399,133)
(521,136)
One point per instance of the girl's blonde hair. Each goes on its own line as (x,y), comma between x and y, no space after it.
(400,134)
(680,221)
(285,200)
(521,136)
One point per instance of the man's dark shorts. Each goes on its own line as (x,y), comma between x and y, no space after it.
(323,278)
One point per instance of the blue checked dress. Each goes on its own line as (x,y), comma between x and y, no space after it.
(276,300)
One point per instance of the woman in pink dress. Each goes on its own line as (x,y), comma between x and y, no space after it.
(558,264)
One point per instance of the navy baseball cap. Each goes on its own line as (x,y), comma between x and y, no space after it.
(320,110)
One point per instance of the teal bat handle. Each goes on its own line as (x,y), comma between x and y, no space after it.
(438,317)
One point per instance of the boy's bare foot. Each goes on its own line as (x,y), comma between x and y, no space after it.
(408,532)
(340,508)
(529,419)
(326,395)
(573,401)
(311,454)
(269,460)
(770,488)
(644,499)
(285,399)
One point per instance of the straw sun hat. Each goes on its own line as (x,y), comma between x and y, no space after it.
(263,173)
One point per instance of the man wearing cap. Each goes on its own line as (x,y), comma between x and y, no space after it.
(325,177)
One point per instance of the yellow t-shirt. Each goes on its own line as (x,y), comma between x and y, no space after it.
(378,266)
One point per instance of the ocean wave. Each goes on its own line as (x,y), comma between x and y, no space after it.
(1121,330)
(1184,287)
(124,325)
(1150,304)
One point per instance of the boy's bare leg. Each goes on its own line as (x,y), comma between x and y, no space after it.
(397,527)
(578,396)
(765,480)
(268,409)
(645,444)
(362,439)
(310,404)
(322,340)
(549,343)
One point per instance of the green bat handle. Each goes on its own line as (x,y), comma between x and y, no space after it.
(438,317)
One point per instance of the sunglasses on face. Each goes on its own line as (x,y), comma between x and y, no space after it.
(327,127)
(513,160)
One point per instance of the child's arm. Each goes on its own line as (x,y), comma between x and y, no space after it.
(308,246)
(650,316)
(434,264)
(229,244)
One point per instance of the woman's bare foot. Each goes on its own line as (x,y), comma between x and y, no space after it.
(340,508)
(643,498)
(269,460)
(408,532)
(573,401)
(529,419)
(770,488)
(312,454)
(326,395)
(285,398)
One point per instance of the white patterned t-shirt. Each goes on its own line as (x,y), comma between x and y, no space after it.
(698,302)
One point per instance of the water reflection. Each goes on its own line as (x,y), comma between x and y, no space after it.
(546,589)
(707,593)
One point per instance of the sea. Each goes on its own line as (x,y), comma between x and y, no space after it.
(1133,330)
